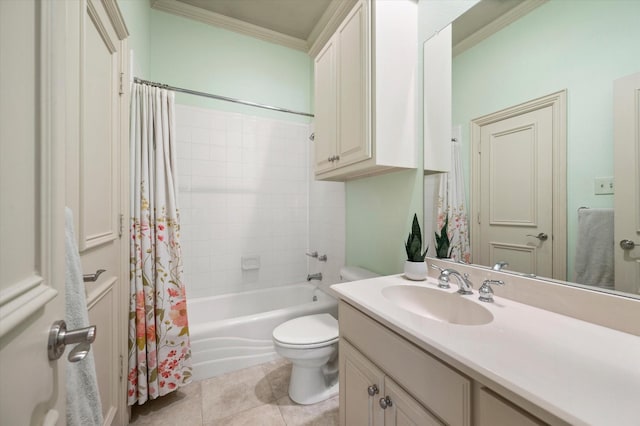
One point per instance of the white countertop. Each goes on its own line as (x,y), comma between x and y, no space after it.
(580,372)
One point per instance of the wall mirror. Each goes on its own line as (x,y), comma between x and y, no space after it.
(579,50)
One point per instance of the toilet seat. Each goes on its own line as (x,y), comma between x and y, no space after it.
(308,332)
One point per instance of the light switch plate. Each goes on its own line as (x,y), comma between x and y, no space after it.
(603,185)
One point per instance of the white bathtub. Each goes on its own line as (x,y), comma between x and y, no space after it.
(233,331)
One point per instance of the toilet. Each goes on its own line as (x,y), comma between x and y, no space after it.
(311,344)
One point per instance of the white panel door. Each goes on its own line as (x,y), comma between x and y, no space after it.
(325,101)
(516,192)
(361,387)
(403,410)
(627,182)
(353,82)
(95,180)
(32,136)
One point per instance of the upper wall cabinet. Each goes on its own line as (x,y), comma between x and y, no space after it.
(437,102)
(365,78)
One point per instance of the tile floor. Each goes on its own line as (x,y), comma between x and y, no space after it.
(252,396)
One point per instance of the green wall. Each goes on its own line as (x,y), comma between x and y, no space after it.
(579,46)
(137,15)
(194,55)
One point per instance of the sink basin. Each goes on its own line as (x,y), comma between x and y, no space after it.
(438,305)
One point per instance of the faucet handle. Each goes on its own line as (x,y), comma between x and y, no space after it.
(486,292)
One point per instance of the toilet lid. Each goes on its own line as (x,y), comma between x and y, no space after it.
(307,330)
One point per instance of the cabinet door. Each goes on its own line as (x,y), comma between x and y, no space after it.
(403,410)
(354,143)
(325,111)
(361,387)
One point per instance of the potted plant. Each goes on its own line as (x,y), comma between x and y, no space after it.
(415,267)
(442,241)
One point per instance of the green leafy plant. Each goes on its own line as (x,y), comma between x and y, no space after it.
(414,243)
(442,241)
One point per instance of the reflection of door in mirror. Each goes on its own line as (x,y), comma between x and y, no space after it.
(627,182)
(516,172)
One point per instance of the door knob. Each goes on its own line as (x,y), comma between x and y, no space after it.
(541,236)
(372,390)
(385,402)
(59,337)
(627,245)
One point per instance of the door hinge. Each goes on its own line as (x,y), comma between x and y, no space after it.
(121,367)
(121,90)
(121,229)
(478,217)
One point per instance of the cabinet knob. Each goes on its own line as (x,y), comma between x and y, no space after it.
(385,402)
(372,390)
(336,158)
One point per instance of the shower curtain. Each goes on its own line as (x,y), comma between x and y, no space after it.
(159,348)
(451,203)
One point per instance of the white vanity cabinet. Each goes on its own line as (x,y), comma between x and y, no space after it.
(365,78)
(418,386)
(369,397)
(387,380)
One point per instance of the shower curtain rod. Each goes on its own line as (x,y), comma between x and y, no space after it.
(221,98)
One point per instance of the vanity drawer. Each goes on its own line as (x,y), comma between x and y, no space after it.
(435,385)
(493,410)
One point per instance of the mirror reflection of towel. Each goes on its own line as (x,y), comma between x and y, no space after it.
(594,248)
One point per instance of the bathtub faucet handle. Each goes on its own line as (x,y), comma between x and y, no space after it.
(317,276)
(322,258)
(312,254)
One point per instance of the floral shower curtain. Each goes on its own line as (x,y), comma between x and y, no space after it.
(451,203)
(159,347)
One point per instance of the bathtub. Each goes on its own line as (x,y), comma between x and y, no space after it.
(233,331)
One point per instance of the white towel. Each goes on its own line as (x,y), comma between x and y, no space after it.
(594,248)
(83,399)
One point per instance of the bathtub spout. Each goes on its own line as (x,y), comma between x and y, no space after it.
(317,276)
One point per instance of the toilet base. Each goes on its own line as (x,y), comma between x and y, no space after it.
(309,385)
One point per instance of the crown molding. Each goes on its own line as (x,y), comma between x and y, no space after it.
(328,24)
(231,24)
(115,16)
(511,16)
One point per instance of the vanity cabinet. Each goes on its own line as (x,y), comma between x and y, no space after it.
(372,398)
(430,389)
(376,363)
(365,78)
(492,410)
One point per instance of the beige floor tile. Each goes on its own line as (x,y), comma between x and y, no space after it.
(182,407)
(264,415)
(278,374)
(324,413)
(234,393)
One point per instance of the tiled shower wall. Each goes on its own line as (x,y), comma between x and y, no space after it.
(244,192)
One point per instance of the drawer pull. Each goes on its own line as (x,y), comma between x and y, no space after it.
(386,402)
(372,390)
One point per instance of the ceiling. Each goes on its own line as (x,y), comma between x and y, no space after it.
(297,23)
(295,18)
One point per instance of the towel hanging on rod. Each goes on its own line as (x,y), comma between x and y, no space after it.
(220,98)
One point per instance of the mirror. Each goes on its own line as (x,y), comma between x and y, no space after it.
(580,47)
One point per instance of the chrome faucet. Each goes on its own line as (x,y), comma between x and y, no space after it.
(464,284)
(499,265)
(317,276)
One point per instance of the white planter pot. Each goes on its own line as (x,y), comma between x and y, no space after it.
(415,271)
